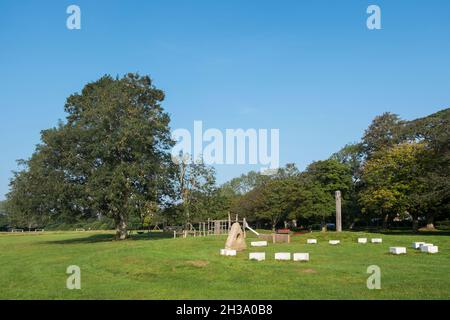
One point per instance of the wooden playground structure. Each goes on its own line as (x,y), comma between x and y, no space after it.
(212,227)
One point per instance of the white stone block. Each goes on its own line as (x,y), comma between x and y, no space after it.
(311,241)
(426,245)
(258,243)
(258,256)
(377,240)
(429,249)
(301,256)
(397,250)
(362,240)
(417,245)
(334,242)
(227,252)
(282,256)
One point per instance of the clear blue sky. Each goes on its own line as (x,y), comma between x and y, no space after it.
(310,68)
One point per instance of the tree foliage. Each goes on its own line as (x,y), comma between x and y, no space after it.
(112,152)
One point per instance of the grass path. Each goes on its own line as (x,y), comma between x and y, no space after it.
(32,266)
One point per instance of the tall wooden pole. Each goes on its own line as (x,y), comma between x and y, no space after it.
(338,212)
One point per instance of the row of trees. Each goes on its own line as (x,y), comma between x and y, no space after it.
(399,170)
(111,159)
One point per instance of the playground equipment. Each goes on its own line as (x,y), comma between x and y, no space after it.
(211,227)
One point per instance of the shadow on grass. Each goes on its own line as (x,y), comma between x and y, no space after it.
(96,238)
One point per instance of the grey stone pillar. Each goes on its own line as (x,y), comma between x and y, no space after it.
(338,212)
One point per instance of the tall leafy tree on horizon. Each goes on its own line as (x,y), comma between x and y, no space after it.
(114,149)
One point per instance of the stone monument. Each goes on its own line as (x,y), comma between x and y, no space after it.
(235,240)
(338,211)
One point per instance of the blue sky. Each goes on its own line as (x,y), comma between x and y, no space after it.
(309,68)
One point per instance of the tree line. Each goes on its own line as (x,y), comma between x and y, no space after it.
(398,171)
(111,159)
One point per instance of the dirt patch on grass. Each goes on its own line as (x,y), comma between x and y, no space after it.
(307,271)
(198,263)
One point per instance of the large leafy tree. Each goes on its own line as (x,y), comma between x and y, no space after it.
(384,132)
(317,204)
(320,181)
(271,199)
(394,182)
(246,182)
(433,131)
(113,150)
(272,202)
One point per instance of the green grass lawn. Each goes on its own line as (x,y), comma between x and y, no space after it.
(33,266)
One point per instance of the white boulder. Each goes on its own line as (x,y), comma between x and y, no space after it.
(282,256)
(258,256)
(417,245)
(397,250)
(227,252)
(429,249)
(301,256)
(258,243)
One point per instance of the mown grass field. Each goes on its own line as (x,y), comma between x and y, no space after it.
(33,266)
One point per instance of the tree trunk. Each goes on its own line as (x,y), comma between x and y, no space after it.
(385,221)
(415,225)
(121,228)
(324,226)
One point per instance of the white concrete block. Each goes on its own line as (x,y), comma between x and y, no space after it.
(334,242)
(258,243)
(397,250)
(301,256)
(362,240)
(429,249)
(258,256)
(376,240)
(227,252)
(417,245)
(311,241)
(426,245)
(282,256)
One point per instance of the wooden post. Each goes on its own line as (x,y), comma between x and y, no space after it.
(338,211)
(229,221)
(244,222)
